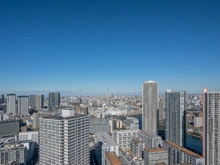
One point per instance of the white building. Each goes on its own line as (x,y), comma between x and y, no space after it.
(131,123)
(150,98)
(23,105)
(11,107)
(32,135)
(197,121)
(155,156)
(64,140)
(211,130)
(179,155)
(124,137)
(104,143)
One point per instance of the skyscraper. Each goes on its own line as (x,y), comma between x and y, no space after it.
(32,101)
(2,99)
(150,106)
(54,99)
(11,106)
(64,139)
(39,102)
(23,105)
(175,116)
(211,127)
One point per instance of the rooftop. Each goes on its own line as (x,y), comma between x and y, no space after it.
(105,138)
(113,158)
(183,149)
(57,117)
(157,149)
(162,163)
(150,81)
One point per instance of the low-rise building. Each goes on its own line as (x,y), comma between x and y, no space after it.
(131,123)
(9,128)
(104,143)
(99,125)
(137,147)
(32,135)
(112,159)
(123,137)
(155,156)
(197,121)
(178,155)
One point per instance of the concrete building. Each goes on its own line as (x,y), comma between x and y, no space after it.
(175,116)
(37,102)
(23,105)
(150,98)
(32,101)
(64,139)
(11,103)
(161,110)
(123,137)
(137,147)
(150,140)
(54,99)
(32,135)
(112,159)
(9,128)
(197,121)
(99,125)
(131,123)
(211,131)
(180,155)
(104,143)
(155,156)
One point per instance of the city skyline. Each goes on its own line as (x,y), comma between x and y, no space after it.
(70,46)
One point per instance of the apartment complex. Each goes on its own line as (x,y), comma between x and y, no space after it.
(64,139)
(150,98)
(156,156)
(23,105)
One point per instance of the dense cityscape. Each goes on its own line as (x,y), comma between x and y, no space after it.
(110,130)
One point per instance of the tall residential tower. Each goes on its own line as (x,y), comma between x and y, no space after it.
(211,127)
(150,105)
(11,103)
(54,99)
(175,116)
(23,105)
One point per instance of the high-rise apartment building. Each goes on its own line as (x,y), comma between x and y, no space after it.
(32,101)
(2,99)
(54,99)
(64,140)
(37,102)
(150,105)
(23,105)
(11,103)
(175,120)
(211,127)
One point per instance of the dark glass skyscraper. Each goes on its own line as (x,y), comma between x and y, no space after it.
(54,99)
(2,99)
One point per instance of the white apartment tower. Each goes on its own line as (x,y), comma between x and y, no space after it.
(23,105)
(175,117)
(211,127)
(64,140)
(150,100)
(11,106)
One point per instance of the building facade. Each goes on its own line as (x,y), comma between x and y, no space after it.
(54,99)
(156,156)
(23,105)
(11,103)
(64,139)
(2,99)
(150,98)
(131,123)
(211,127)
(175,116)
(9,128)
(180,155)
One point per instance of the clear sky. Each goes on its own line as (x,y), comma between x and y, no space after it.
(85,46)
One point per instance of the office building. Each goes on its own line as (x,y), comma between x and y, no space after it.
(54,99)
(131,123)
(175,116)
(99,125)
(149,106)
(9,128)
(124,137)
(156,156)
(32,101)
(64,140)
(11,103)
(104,143)
(37,102)
(32,135)
(2,99)
(180,155)
(211,130)
(112,159)
(23,105)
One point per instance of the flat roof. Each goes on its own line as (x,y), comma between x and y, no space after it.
(113,158)
(105,138)
(147,134)
(183,149)
(161,163)
(157,149)
(58,117)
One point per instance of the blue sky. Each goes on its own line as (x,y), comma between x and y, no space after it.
(84,47)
